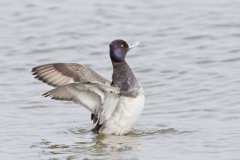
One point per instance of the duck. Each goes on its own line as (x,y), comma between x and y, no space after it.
(115,105)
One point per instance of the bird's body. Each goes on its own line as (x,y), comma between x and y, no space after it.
(125,116)
(115,106)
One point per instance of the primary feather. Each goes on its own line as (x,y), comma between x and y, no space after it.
(59,74)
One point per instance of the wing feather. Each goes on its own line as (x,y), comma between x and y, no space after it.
(67,72)
(98,98)
(108,107)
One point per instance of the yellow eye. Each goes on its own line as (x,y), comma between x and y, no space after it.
(122,45)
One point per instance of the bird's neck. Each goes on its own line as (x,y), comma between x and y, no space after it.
(123,77)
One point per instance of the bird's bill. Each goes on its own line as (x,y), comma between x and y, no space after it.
(132,45)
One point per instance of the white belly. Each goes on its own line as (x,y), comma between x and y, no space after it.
(125,116)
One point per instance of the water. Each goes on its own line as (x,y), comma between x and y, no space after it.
(188,63)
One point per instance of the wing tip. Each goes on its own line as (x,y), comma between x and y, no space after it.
(39,68)
(38,77)
(46,94)
(49,94)
(34,71)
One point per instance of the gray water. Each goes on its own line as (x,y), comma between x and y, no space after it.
(188,63)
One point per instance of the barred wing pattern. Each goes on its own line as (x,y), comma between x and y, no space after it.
(59,74)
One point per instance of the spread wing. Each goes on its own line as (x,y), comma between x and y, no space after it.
(59,74)
(98,98)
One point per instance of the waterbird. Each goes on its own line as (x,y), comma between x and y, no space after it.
(115,105)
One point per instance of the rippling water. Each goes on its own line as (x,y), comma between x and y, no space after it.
(188,63)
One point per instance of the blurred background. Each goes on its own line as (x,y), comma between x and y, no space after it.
(188,63)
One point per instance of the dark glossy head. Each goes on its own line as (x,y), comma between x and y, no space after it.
(119,49)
